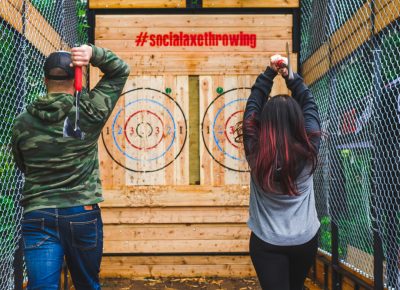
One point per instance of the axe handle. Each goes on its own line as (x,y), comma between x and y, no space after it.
(78,78)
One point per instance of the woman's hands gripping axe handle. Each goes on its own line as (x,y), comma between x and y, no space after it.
(282,64)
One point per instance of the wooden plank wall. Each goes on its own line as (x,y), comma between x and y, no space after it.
(159,214)
(118,33)
(152,221)
(220,67)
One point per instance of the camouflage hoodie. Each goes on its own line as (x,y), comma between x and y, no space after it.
(64,172)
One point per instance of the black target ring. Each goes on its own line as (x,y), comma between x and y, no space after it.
(176,156)
(202,129)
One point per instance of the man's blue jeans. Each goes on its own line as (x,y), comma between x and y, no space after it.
(51,234)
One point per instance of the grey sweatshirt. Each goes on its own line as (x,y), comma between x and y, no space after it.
(275,218)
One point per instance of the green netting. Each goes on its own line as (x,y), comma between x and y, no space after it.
(358,181)
(21,75)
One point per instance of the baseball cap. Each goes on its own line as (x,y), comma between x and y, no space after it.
(62,60)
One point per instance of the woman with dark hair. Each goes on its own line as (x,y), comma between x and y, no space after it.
(281,138)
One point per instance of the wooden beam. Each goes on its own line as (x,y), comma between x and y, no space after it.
(11,12)
(356,39)
(130,33)
(319,55)
(263,45)
(177,196)
(250,4)
(176,246)
(201,63)
(40,33)
(37,30)
(168,233)
(205,21)
(381,4)
(388,11)
(113,4)
(176,266)
(359,20)
(194,126)
(174,215)
(317,71)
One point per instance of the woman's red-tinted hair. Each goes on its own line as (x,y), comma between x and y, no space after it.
(278,146)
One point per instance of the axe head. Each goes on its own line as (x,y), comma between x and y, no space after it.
(70,130)
(289,67)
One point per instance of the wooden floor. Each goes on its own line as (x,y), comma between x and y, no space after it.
(189,283)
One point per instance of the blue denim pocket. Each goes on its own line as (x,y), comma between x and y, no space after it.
(84,234)
(33,233)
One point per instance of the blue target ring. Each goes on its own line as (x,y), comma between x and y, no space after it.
(217,142)
(138,159)
(219,133)
(169,134)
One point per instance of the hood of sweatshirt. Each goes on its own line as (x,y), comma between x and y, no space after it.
(51,107)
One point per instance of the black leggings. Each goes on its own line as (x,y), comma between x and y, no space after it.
(282,267)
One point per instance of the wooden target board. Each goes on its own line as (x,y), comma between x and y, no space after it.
(223,101)
(145,136)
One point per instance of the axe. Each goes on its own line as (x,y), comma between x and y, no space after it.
(281,63)
(289,67)
(70,129)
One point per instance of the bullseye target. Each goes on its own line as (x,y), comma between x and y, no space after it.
(148,131)
(219,129)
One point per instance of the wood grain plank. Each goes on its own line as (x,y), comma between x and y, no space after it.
(177,266)
(168,233)
(317,71)
(176,246)
(251,4)
(388,12)
(200,63)
(11,12)
(118,4)
(175,215)
(314,60)
(351,26)
(352,43)
(129,33)
(205,21)
(149,196)
(263,45)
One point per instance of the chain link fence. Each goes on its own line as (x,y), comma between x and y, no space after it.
(29,31)
(350,60)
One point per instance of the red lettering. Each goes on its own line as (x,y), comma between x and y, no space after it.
(165,40)
(152,40)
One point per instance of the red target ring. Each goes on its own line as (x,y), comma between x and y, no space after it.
(130,130)
(230,129)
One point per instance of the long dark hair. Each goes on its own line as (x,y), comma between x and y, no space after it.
(279,145)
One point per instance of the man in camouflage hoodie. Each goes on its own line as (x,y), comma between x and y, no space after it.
(62,184)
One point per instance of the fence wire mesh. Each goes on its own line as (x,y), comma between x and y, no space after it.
(29,31)
(350,59)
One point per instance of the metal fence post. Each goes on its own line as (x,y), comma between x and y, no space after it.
(378,250)
(18,263)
